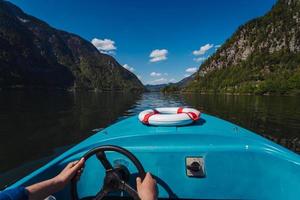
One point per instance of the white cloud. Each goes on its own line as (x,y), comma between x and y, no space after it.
(203,50)
(186,75)
(160,81)
(200,59)
(104,46)
(191,70)
(139,77)
(158,55)
(217,46)
(166,74)
(155,74)
(126,66)
(163,80)
(172,80)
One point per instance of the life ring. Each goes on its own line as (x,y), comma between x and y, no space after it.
(169,116)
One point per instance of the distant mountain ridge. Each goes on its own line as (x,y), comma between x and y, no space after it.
(184,82)
(155,88)
(261,57)
(33,54)
(177,87)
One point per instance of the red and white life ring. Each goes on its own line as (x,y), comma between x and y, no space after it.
(169,116)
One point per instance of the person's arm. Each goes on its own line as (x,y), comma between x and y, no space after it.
(44,189)
(147,189)
(19,193)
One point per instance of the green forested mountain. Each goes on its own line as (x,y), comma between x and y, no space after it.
(155,88)
(177,87)
(33,54)
(261,57)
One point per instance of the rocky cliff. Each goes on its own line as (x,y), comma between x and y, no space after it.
(262,56)
(33,54)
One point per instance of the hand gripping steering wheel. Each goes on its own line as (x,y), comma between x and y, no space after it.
(116,178)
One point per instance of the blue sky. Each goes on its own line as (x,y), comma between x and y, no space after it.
(178,34)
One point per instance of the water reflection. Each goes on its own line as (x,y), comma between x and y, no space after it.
(276,118)
(36,126)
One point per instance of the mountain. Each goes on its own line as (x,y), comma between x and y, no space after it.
(170,87)
(155,88)
(33,54)
(184,82)
(261,57)
(177,87)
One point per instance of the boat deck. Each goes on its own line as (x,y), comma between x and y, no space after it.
(234,160)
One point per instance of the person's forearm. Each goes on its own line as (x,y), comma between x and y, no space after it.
(46,188)
(43,189)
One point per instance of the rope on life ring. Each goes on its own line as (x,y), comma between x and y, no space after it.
(169,116)
(147,116)
(192,115)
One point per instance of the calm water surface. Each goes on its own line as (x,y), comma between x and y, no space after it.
(37,126)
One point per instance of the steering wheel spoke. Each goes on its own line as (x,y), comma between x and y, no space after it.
(101,194)
(103,159)
(129,190)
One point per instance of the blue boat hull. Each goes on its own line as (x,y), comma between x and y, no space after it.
(238,164)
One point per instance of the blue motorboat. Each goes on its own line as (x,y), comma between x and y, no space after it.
(209,159)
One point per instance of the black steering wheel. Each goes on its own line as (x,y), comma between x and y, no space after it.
(116,178)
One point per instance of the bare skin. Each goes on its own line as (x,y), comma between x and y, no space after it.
(147,188)
(43,189)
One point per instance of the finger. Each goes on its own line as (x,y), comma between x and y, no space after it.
(74,163)
(138,182)
(148,176)
(70,165)
(78,164)
(77,176)
(75,166)
(79,172)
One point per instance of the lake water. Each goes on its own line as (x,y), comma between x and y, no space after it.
(36,126)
